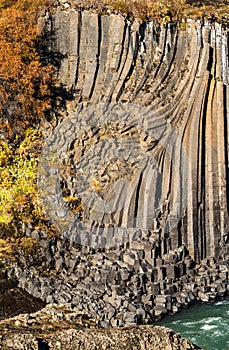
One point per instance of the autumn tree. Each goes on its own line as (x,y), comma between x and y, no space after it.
(24,81)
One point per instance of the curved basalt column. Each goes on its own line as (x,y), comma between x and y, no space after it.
(146,137)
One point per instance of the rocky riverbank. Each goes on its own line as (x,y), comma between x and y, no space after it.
(58,327)
(120,287)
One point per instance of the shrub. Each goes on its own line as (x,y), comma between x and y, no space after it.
(25,95)
(19,201)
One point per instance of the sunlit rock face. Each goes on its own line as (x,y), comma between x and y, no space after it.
(144,145)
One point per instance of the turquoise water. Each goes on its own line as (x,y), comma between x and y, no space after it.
(206,325)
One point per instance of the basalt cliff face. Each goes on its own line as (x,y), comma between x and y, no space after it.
(146,138)
(135,172)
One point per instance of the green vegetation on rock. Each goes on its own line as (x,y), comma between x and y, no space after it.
(18,191)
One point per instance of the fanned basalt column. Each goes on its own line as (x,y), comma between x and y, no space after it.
(163,90)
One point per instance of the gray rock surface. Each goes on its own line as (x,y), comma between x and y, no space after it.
(145,139)
(120,287)
(133,174)
(58,327)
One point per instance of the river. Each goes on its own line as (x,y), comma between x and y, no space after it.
(206,325)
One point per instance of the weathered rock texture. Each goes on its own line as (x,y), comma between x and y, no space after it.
(146,138)
(120,287)
(135,173)
(135,177)
(58,328)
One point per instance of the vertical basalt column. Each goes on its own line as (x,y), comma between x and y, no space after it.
(180,78)
(216,146)
(74,38)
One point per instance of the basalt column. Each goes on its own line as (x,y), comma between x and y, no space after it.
(161,93)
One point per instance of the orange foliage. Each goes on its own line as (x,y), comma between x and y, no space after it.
(24,82)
